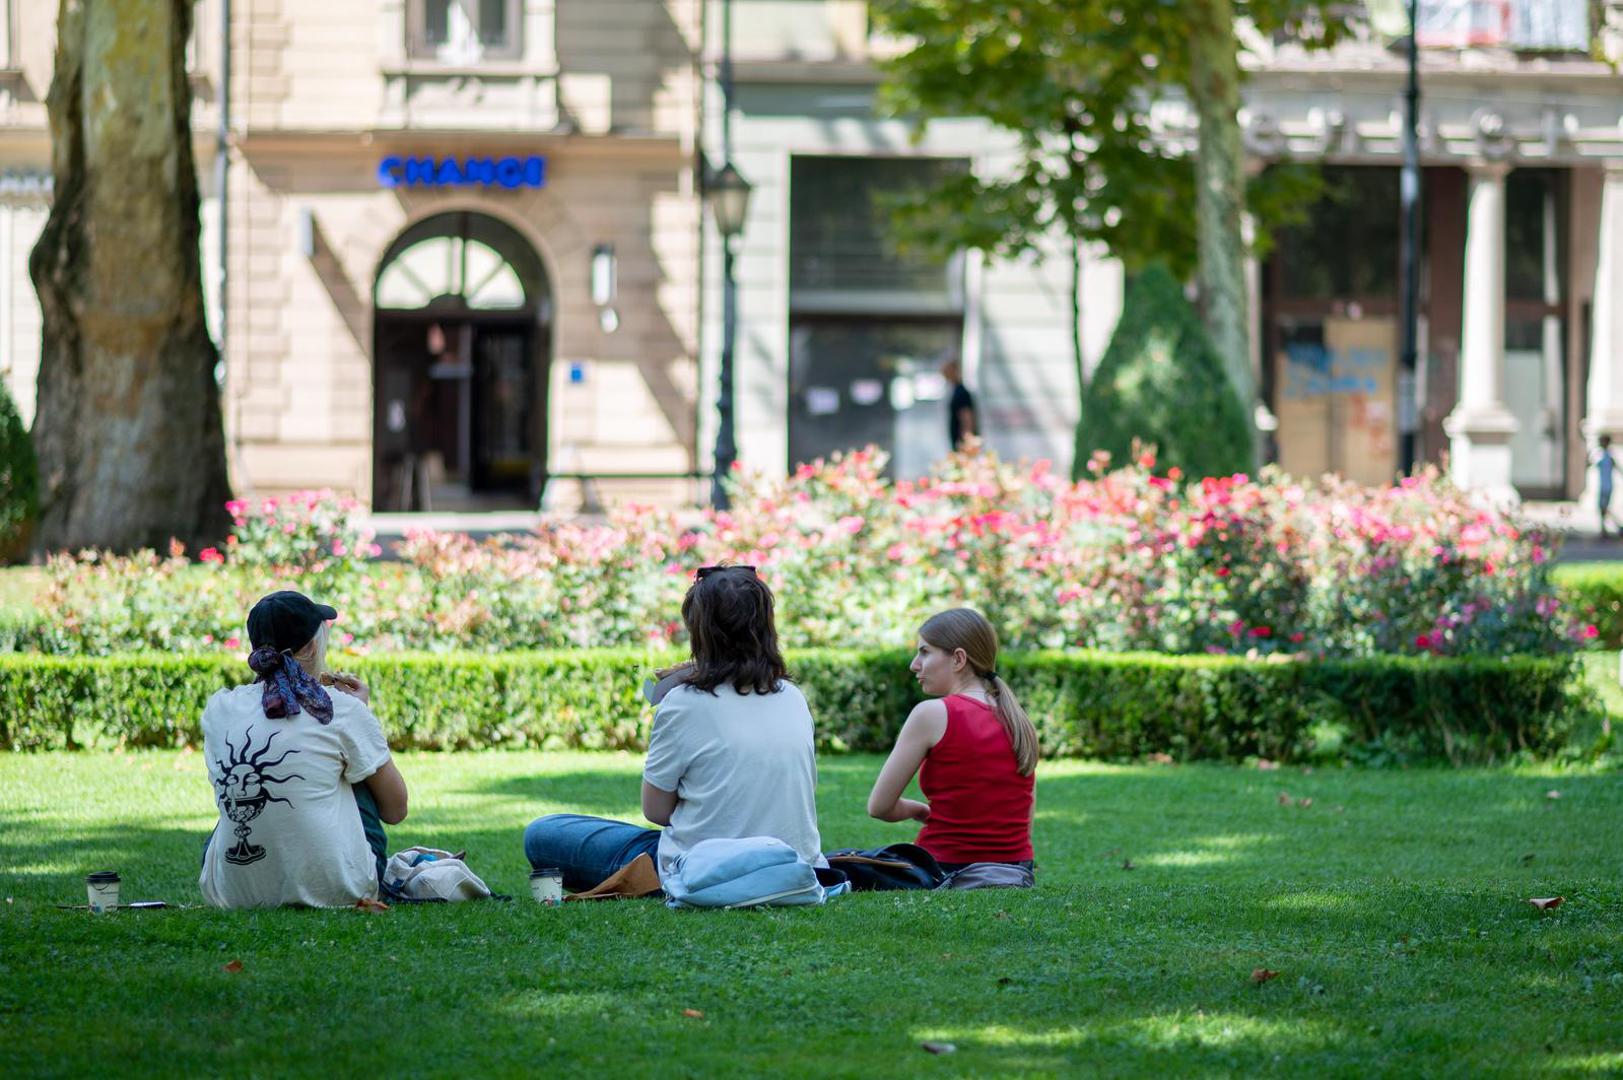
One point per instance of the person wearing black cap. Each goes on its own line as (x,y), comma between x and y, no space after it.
(302,777)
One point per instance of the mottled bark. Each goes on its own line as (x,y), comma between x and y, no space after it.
(1220,191)
(128,429)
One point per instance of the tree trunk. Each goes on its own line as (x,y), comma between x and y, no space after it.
(1220,191)
(128,430)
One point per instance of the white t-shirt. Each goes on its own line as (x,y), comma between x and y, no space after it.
(289,832)
(740,764)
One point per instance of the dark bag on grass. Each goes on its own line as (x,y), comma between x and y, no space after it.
(897,866)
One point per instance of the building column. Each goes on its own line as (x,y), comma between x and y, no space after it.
(1603,402)
(1480,427)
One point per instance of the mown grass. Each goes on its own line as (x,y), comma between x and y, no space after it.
(20,586)
(1392,907)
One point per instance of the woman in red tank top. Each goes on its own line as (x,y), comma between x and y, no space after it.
(972,746)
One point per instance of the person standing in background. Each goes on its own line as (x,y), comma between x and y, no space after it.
(1605,472)
(961,420)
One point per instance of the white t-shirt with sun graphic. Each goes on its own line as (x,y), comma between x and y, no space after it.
(289,831)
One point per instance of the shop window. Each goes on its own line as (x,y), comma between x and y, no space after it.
(463,31)
(1348,247)
(1536,328)
(870,326)
(857,380)
(1535,214)
(449,267)
(839,228)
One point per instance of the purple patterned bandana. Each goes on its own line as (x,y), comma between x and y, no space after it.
(287,687)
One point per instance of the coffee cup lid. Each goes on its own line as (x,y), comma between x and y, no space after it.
(102,877)
(547,871)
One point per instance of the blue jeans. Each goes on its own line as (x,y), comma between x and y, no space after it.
(589,850)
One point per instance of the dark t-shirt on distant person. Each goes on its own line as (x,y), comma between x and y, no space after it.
(961,399)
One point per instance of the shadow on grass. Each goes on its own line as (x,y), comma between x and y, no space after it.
(602,793)
(1099,828)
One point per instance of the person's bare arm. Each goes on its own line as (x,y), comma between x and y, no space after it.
(388,787)
(924,728)
(657,804)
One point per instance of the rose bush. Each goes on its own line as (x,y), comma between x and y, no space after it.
(1125,559)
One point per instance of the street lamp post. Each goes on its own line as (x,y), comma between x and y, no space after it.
(1409,257)
(728,194)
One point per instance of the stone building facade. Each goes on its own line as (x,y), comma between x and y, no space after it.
(465,250)
(459,255)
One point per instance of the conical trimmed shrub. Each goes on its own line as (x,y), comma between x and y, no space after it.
(19,482)
(1162,383)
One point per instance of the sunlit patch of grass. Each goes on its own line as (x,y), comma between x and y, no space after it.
(1397,925)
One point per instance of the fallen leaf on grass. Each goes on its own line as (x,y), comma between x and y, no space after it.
(1001,915)
(1285,798)
(233,967)
(1127,864)
(1545,903)
(1267,766)
(938,1048)
(367,904)
(693,1014)
(1552,794)
(1160,759)
(1529,857)
(1262,975)
(1304,803)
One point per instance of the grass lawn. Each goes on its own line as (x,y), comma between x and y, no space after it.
(20,586)
(1391,907)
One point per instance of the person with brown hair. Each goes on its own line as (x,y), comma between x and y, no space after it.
(971,745)
(732,753)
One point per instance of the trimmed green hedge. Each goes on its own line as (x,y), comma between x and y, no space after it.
(1594,592)
(1100,705)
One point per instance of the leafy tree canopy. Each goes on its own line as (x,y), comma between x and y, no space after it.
(1077,83)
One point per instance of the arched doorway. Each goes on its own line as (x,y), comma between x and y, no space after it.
(461,342)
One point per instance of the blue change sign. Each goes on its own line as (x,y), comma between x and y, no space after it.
(436,172)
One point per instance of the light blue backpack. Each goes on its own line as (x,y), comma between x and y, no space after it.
(754,871)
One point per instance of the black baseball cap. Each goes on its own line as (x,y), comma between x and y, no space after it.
(286,620)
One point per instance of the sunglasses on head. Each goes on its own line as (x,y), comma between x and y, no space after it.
(705,571)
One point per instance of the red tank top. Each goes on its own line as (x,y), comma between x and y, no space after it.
(980,805)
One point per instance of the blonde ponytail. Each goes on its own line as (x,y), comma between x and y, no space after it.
(1016,724)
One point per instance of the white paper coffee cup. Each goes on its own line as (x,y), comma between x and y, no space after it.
(102,889)
(547,885)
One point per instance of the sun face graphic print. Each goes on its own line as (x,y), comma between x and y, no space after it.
(242,780)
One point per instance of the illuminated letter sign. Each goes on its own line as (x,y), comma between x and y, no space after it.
(507,172)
